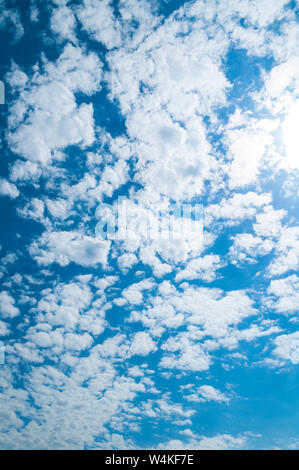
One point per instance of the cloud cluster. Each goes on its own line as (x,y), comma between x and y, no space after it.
(164,108)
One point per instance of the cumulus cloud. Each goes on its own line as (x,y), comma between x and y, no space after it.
(287,347)
(66,247)
(4,328)
(286,252)
(224,309)
(246,150)
(142,344)
(11,20)
(219,442)
(7,306)
(207,393)
(8,189)
(63,22)
(201,268)
(285,294)
(237,207)
(45,117)
(98,20)
(247,248)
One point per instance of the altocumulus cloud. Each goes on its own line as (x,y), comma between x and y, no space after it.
(164,104)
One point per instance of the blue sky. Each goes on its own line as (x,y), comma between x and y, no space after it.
(186,340)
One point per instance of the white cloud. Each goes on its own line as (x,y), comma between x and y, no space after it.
(268,223)
(163,86)
(66,247)
(224,308)
(281,77)
(126,261)
(218,442)
(207,393)
(9,258)
(63,23)
(287,347)
(7,306)
(200,268)
(286,294)
(247,248)
(71,308)
(54,119)
(245,149)
(168,78)
(190,355)
(25,171)
(11,20)
(189,305)
(34,209)
(290,135)
(58,208)
(78,342)
(142,344)
(105,282)
(8,189)
(4,328)
(133,293)
(105,399)
(98,20)
(148,256)
(236,208)
(286,252)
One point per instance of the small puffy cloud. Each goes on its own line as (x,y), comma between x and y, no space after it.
(218,442)
(236,208)
(126,261)
(286,252)
(207,393)
(7,306)
(72,307)
(63,23)
(225,308)
(189,305)
(148,256)
(105,282)
(10,20)
(185,354)
(25,171)
(281,77)
(285,294)
(4,328)
(287,347)
(268,223)
(133,293)
(66,247)
(98,20)
(8,189)
(55,121)
(142,344)
(34,209)
(77,342)
(247,248)
(10,258)
(201,268)
(53,342)
(246,150)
